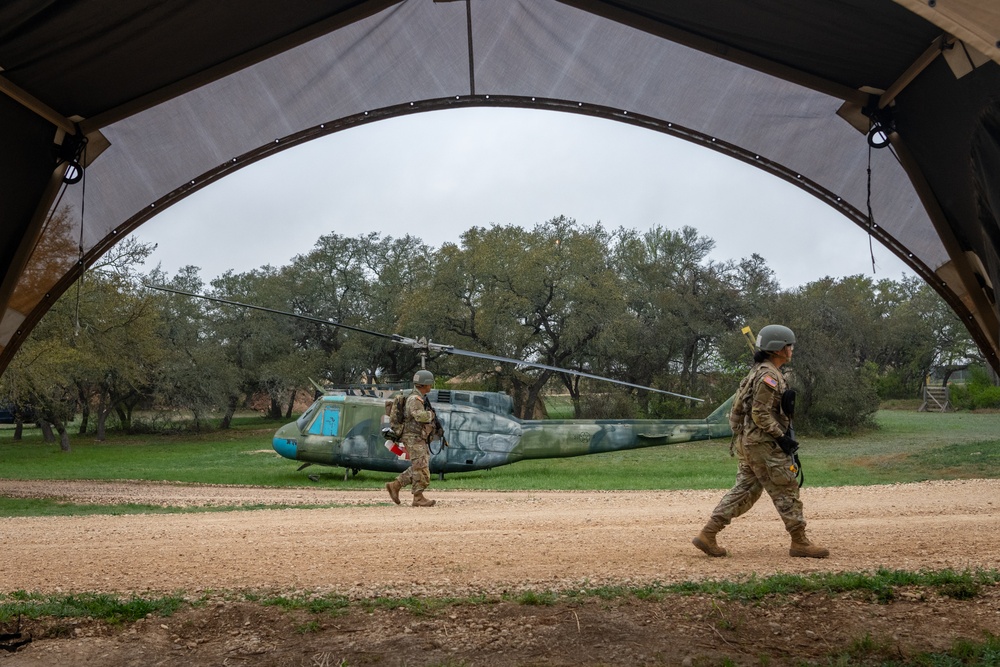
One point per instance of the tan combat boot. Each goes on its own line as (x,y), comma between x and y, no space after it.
(393,488)
(803,548)
(706,539)
(420,501)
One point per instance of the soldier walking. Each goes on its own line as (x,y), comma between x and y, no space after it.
(418,429)
(765,447)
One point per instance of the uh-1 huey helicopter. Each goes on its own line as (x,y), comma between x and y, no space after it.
(345,427)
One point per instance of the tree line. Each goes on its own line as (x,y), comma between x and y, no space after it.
(645,307)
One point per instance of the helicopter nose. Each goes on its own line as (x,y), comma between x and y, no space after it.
(285,445)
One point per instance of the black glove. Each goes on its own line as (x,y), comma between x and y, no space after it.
(788,444)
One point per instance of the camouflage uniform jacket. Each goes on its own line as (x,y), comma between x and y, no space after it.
(419,422)
(760,404)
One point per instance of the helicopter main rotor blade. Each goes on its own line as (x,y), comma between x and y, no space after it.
(447,349)
(419,344)
(317,320)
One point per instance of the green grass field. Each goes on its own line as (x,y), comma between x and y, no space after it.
(908,446)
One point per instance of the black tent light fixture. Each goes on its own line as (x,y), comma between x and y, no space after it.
(878,137)
(73,173)
(72,152)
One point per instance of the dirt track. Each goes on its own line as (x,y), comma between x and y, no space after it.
(491,543)
(475,541)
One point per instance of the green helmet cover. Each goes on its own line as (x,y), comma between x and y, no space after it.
(773,337)
(424,377)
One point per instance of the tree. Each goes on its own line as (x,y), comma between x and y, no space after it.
(95,345)
(543,295)
(755,286)
(193,375)
(681,306)
(398,273)
(838,328)
(370,282)
(116,334)
(38,375)
(256,344)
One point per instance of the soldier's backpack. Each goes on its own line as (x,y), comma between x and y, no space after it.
(395,411)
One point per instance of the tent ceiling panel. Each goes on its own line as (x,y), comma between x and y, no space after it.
(89,57)
(186,91)
(852,43)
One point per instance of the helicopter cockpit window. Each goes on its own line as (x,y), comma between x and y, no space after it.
(327,422)
(307,415)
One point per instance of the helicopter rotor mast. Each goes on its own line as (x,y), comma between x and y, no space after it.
(423,346)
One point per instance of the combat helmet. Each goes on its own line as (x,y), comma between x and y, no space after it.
(423,377)
(773,337)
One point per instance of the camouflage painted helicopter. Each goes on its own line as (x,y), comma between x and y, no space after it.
(344,428)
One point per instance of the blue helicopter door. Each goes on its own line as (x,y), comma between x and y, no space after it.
(327,422)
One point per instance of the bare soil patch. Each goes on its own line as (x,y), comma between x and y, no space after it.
(488,543)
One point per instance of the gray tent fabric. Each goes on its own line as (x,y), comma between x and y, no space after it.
(158,100)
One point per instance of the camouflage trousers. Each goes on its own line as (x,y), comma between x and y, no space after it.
(763,467)
(419,472)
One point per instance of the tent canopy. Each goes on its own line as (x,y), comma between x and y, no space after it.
(159,99)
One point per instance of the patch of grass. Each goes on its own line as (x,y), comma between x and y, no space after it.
(907,446)
(866,646)
(109,608)
(986,652)
(416,606)
(540,599)
(559,407)
(608,592)
(981,457)
(881,652)
(197,459)
(314,604)
(880,585)
(11,507)
(754,589)
(308,627)
(959,585)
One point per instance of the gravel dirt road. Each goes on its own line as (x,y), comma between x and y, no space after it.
(488,543)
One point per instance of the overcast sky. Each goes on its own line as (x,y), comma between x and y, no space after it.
(434,175)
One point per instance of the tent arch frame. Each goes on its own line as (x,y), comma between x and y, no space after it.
(325,129)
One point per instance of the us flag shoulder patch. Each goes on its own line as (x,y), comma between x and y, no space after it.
(770,382)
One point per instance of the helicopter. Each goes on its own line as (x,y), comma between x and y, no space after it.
(344,427)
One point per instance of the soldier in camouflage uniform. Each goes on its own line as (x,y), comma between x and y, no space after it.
(418,428)
(761,439)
